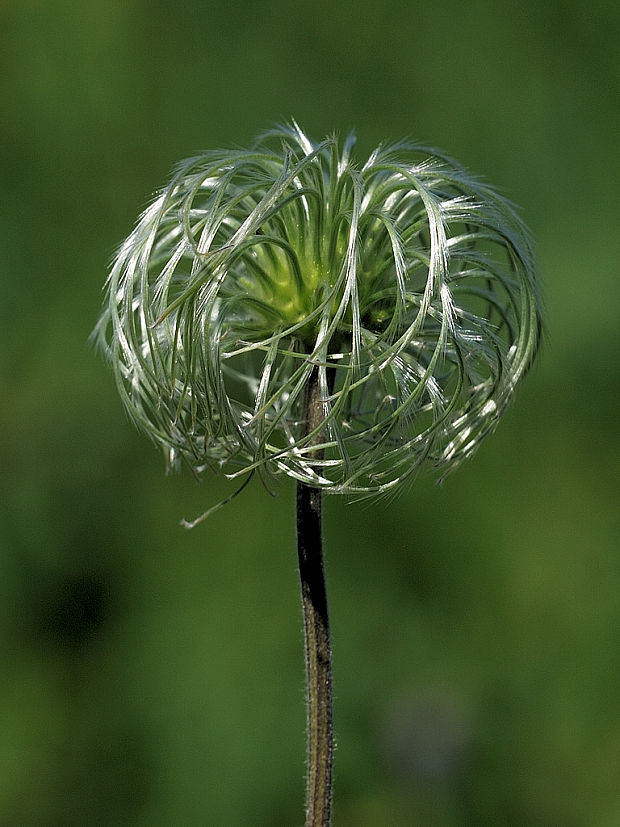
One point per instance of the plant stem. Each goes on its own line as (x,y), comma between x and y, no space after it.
(316,625)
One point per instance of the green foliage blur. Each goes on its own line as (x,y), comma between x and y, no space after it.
(153,676)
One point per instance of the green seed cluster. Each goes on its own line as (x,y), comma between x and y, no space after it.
(406,285)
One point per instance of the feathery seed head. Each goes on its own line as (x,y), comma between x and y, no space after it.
(404,283)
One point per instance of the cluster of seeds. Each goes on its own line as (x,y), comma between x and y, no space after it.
(403,286)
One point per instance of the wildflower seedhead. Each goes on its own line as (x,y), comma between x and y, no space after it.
(404,286)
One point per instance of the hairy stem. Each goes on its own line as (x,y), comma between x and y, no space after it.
(316,624)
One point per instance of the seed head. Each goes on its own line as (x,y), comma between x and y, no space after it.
(403,284)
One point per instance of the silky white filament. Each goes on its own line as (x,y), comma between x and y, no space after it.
(405,282)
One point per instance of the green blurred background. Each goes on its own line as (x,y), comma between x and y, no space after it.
(153,676)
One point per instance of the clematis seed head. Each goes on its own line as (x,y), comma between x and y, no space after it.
(401,284)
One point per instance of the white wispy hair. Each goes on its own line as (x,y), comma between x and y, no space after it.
(407,284)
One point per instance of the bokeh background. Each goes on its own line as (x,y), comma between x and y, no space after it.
(153,676)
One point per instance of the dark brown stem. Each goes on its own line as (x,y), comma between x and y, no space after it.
(316,624)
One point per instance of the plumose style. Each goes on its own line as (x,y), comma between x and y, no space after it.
(402,283)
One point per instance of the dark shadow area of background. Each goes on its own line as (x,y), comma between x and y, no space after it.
(152,676)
